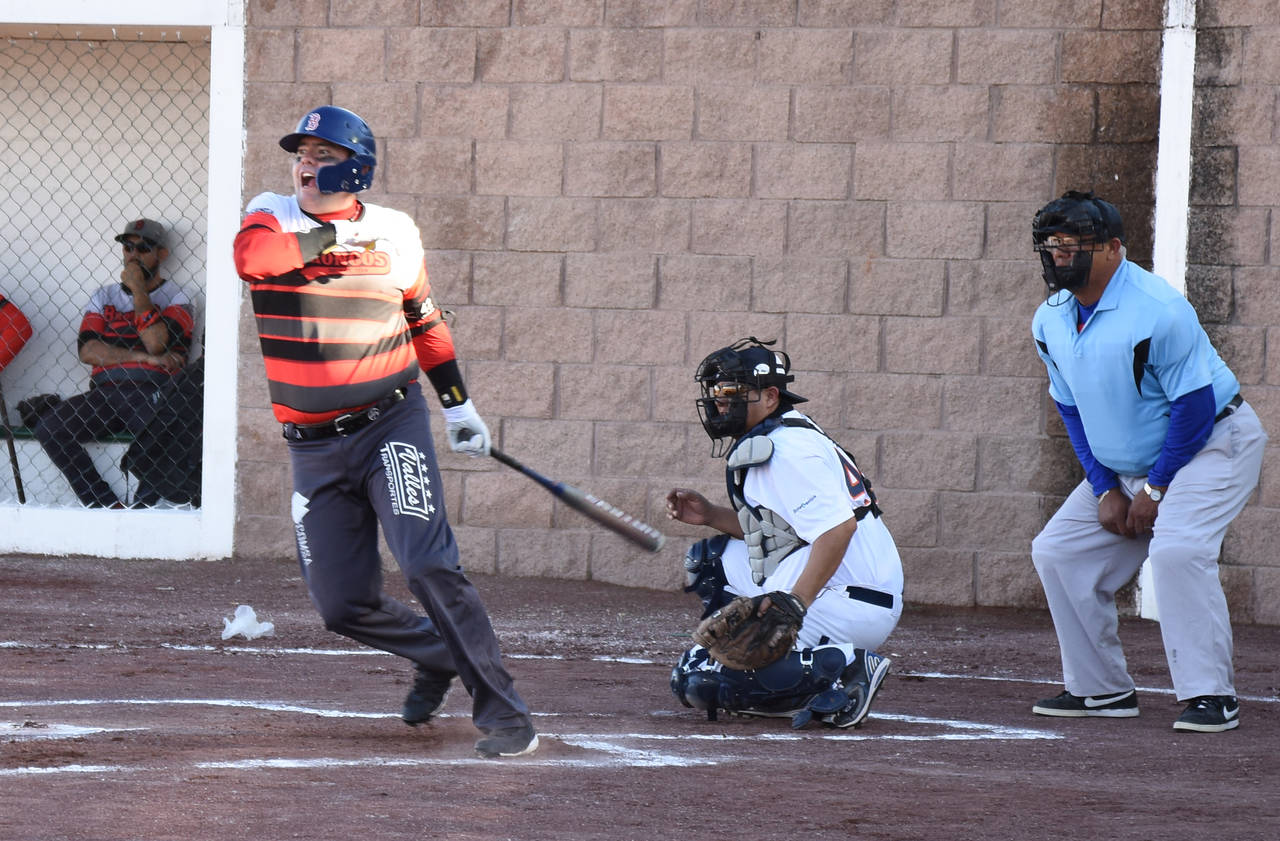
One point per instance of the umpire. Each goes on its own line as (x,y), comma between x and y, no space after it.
(346,322)
(1171,453)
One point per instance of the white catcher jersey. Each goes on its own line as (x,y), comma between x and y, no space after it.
(805,483)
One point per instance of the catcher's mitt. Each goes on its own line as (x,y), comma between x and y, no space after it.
(739,637)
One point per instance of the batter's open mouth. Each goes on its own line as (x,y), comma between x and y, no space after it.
(307,179)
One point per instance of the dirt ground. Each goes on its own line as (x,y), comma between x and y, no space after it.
(124,715)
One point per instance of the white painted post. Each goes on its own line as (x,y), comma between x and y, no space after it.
(1173,180)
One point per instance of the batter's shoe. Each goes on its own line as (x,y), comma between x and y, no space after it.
(427,697)
(862,679)
(510,741)
(1210,714)
(1066,705)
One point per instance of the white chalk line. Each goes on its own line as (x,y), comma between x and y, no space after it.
(613,754)
(612,750)
(266,706)
(639,661)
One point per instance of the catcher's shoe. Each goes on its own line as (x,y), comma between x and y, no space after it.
(510,741)
(1066,705)
(862,679)
(427,697)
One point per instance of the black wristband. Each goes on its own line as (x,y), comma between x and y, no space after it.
(446,379)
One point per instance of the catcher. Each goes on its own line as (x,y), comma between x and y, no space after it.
(805,581)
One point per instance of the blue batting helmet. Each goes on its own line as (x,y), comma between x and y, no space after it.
(341,128)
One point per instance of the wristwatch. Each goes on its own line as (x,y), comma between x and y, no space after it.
(1155,493)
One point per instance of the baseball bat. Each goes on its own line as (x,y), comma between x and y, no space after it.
(609,516)
(13,453)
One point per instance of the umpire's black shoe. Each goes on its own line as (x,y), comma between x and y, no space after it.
(862,679)
(1210,714)
(427,697)
(510,741)
(1066,705)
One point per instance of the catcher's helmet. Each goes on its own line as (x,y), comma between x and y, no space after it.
(729,374)
(1085,218)
(341,128)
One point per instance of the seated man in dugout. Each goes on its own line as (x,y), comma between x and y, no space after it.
(134,335)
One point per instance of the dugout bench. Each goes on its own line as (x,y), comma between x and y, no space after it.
(13,434)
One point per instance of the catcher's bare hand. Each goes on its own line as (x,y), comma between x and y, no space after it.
(752,632)
(689,507)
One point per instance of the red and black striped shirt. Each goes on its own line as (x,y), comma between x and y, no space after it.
(344,326)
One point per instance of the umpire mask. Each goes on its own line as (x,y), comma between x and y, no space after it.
(1072,277)
(1076,223)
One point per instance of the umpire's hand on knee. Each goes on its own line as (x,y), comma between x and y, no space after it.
(1113,513)
(1142,514)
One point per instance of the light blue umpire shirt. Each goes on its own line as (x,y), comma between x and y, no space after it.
(1142,348)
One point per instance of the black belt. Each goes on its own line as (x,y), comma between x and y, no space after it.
(874,597)
(1232,405)
(347,424)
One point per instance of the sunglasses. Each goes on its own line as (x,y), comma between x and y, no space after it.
(139,247)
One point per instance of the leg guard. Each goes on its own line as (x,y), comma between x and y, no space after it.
(783,689)
(693,663)
(705,573)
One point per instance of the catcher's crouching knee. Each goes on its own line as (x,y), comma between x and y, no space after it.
(690,662)
(700,690)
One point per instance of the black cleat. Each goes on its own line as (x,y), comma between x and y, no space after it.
(862,680)
(427,697)
(510,741)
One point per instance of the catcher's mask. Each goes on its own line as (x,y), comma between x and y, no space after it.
(1076,223)
(731,378)
(341,128)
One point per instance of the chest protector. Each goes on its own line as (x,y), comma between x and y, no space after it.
(769,537)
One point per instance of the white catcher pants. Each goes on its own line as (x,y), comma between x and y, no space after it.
(833,614)
(1082,565)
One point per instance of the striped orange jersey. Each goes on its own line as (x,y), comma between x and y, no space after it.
(342,329)
(109,317)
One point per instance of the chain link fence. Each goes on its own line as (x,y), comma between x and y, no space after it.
(93,135)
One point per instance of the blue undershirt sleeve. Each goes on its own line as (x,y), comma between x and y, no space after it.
(1190,425)
(1101,478)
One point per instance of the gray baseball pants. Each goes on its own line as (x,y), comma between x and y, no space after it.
(1081,566)
(386,473)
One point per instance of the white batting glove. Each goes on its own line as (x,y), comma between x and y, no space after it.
(347,232)
(467,433)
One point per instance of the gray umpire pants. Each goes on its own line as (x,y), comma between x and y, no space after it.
(386,473)
(1082,565)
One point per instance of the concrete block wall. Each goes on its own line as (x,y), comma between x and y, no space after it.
(611,189)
